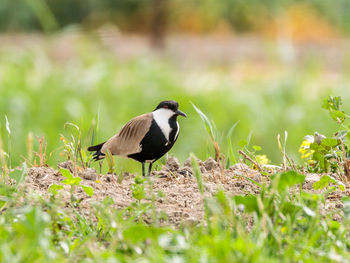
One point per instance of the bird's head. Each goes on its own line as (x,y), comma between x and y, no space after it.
(169,107)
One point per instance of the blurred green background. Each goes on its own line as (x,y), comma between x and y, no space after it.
(180,15)
(268,64)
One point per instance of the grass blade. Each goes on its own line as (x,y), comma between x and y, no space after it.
(198,177)
(207,122)
(232,157)
(110,162)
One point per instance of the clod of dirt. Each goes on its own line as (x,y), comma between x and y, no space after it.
(68,165)
(310,179)
(188,162)
(89,174)
(210,164)
(172,164)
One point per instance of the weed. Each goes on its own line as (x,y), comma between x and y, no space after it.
(212,132)
(198,177)
(329,183)
(5,157)
(4,168)
(110,162)
(42,152)
(329,154)
(73,146)
(257,161)
(282,147)
(232,158)
(29,145)
(73,182)
(7,124)
(138,189)
(214,138)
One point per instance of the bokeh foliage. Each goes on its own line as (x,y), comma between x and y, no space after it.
(135,15)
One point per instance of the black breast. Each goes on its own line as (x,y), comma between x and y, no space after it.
(154,144)
(174,127)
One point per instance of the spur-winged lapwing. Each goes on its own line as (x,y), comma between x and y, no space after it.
(145,138)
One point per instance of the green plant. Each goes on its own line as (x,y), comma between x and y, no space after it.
(199,180)
(212,132)
(333,105)
(256,161)
(232,159)
(73,182)
(29,146)
(3,163)
(329,183)
(214,138)
(73,147)
(42,152)
(7,125)
(324,154)
(282,147)
(138,189)
(5,157)
(110,162)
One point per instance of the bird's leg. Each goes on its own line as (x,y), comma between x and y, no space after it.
(143,169)
(100,164)
(150,168)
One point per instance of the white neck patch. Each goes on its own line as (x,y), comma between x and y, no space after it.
(161,117)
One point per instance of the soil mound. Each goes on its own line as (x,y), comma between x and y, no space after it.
(181,199)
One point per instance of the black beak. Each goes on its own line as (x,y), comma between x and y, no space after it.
(178,112)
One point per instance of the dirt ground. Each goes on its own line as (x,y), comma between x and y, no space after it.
(182,201)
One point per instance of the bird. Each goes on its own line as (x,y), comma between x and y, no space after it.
(145,138)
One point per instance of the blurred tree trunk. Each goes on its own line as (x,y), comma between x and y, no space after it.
(159,23)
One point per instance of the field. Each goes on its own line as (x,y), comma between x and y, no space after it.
(76,78)
(275,202)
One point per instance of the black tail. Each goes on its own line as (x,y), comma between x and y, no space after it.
(98,155)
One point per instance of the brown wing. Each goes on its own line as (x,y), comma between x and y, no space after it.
(128,140)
